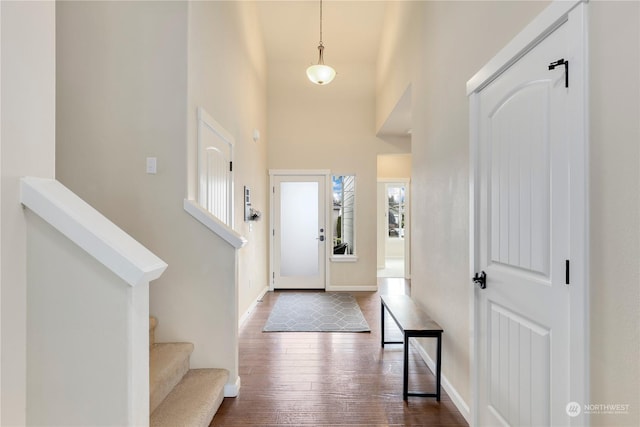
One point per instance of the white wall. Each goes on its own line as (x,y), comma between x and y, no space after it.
(436,47)
(615,208)
(229,80)
(458,39)
(392,166)
(130,75)
(27,148)
(332,127)
(87,372)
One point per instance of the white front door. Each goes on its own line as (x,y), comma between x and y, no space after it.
(523,335)
(299,232)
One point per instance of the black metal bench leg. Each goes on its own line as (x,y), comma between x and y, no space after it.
(382,323)
(438,367)
(405,374)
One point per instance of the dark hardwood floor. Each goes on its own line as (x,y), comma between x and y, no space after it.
(331,379)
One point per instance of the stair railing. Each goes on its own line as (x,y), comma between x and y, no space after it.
(87,315)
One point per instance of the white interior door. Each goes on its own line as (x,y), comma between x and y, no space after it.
(299,232)
(215,171)
(523,237)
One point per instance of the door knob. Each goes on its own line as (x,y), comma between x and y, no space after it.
(321,238)
(480,280)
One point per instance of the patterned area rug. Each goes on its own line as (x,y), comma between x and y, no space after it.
(316,312)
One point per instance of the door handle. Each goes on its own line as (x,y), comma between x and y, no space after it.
(480,280)
(321,238)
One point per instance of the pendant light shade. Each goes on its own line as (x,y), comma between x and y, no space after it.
(320,73)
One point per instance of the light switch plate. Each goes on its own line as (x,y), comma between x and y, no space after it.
(152,165)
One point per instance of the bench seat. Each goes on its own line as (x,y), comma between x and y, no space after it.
(413,323)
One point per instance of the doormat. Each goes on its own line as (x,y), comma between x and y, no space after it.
(316,312)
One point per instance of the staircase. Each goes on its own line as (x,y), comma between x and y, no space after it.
(180,396)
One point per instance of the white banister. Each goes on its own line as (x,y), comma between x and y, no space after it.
(88,317)
(90,230)
(214,224)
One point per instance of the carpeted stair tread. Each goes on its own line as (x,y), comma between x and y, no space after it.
(168,363)
(194,401)
(153,322)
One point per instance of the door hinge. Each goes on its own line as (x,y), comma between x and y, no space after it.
(567,273)
(230,166)
(564,62)
(273,278)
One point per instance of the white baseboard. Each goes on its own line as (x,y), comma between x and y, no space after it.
(244,317)
(446,385)
(232,389)
(351,288)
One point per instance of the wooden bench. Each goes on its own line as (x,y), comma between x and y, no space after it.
(413,322)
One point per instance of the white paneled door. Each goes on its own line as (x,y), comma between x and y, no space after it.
(298,232)
(523,239)
(215,171)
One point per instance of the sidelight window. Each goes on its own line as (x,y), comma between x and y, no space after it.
(343,218)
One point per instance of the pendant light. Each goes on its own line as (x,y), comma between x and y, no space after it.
(321,74)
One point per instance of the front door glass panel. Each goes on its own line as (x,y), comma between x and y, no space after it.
(299,248)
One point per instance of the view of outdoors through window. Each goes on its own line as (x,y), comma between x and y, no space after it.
(344,187)
(395,196)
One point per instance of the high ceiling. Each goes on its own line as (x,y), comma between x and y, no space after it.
(351,34)
(351,30)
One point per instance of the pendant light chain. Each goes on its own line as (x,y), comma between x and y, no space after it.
(321,22)
(321,46)
(320,73)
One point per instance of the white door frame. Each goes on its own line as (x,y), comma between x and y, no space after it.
(383,230)
(574,15)
(328,205)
